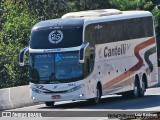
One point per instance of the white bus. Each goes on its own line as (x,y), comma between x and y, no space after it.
(85,55)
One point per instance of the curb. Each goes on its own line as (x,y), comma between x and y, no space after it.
(15,97)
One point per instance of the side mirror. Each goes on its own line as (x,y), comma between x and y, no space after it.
(81,52)
(21,56)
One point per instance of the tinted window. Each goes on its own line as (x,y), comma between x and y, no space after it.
(120,30)
(41,66)
(55,68)
(67,66)
(71,37)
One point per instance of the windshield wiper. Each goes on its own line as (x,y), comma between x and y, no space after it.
(68,76)
(55,82)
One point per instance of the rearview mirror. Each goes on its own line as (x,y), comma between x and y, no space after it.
(21,55)
(82,52)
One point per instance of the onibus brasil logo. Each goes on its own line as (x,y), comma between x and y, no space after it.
(55,36)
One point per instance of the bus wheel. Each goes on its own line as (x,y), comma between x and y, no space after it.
(49,104)
(142,89)
(97,99)
(136,91)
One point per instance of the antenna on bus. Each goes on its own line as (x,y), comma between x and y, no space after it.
(92,13)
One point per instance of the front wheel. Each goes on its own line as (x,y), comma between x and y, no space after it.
(97,99)
(49,104)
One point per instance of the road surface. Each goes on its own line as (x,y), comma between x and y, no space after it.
(110,105)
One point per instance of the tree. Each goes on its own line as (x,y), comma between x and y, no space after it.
(14,35)
(17,17)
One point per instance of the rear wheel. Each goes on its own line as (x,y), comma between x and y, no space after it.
(136,91)
(142,89)
(49,104)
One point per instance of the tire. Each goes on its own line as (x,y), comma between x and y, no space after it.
(136,92)
(97,99)
(49,104)
(142,89)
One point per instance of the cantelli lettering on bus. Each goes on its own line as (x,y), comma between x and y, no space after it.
(109,52)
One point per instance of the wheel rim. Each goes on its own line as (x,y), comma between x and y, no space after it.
(136,91)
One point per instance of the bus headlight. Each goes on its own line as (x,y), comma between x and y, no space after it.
(36,90)
(76,88)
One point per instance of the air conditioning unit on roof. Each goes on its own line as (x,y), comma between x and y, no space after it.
(92,13)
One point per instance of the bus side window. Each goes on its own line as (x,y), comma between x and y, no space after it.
(91,35)
(88,65)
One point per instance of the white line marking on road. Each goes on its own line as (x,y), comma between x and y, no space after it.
(106,118)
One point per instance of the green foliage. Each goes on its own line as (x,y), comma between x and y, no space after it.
(14,35)
(156,13)
(79,5)
(132,4)
(17,17)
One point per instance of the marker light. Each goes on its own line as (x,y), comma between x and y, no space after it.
(81,95)
(33,98)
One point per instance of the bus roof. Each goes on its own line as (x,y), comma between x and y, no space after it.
(53,23)
(104,15)
(88,17)
(92,13)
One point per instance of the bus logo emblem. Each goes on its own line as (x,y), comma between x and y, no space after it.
(55,36)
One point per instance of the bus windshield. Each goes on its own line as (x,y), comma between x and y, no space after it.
(59,67)
(67,66)
(42,66)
